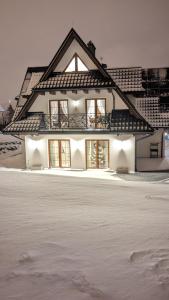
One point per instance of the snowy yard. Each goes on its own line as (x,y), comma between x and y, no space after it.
(69,238)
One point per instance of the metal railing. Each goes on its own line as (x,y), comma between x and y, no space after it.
(75,121)
(116,122)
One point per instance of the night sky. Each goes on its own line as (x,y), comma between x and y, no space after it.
(125,33)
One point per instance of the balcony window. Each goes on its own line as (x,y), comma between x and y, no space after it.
(96,111)
(58,113)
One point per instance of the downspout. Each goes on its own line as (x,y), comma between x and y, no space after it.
(113,99)
(162,145)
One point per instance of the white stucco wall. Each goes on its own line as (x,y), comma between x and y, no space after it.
(76,102)
(143,160)
(119,103)
(152,164)
(121,150)
(143,144)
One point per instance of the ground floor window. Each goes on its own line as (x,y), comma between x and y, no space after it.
(154,150)
(59,153)
(97,154)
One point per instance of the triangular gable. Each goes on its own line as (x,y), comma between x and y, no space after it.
(71,42)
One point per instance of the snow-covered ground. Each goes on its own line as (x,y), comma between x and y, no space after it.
(70,238)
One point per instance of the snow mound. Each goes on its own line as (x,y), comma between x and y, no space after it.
(155,262)
(51,268)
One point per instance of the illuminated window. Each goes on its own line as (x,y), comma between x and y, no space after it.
(76,65)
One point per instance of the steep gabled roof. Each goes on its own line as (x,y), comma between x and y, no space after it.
(63,48)
(48,79)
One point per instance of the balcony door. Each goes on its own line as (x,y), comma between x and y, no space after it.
(58,113)
(59,153)
(95,110)
(97,154)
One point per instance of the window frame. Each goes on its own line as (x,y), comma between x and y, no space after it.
(76,56)
(155,150)
(59,115)
(95,113)
(97,161)
(60,155)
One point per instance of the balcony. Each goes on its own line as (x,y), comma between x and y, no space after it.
(119,121)
(76,121)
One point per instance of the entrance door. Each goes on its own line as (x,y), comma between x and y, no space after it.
(95,110)
(59,153)
(59,113)
(97,154)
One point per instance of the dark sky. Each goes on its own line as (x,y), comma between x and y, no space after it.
(125,33)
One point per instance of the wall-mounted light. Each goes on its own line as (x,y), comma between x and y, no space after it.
(34,144)
(75,103)
(77,145)
(122,145)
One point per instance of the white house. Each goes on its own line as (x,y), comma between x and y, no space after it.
(77,113)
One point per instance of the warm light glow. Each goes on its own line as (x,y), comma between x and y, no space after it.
(77,145)
(76,65)
(122,145)
(75,103)
(117,144)
(71,66)
(34,144)
(126,145)
(80,65)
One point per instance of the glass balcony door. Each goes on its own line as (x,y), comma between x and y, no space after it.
(59,153)
(58,113)
(97,154)
(95,110)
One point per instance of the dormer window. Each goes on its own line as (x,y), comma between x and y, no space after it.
(76,65)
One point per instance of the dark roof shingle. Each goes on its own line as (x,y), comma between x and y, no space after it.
(127,79)
(75,80)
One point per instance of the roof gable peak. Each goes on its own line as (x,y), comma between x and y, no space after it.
(56,61)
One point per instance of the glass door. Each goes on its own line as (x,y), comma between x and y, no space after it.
(97,154)
(59,153)
(58,113)
(95,110)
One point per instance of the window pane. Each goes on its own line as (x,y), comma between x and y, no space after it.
(65,154)
(101,109)
(63,113)
(54,107)
(80,65)
(54,154)
(97,152)
(103,154)
(71,66)
(91,154)
(59,113)
(91,113)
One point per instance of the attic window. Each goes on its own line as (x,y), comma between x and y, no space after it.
(76,65)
